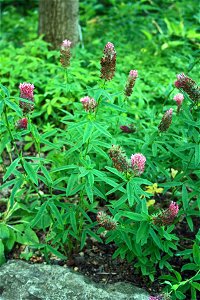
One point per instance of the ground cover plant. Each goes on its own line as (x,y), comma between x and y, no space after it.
(89,154)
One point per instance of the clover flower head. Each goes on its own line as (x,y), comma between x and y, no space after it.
(66,44)
(133,74)
(128,128)
(26,90)
(138,161)
(65,54)
(109,49)
(108,62)
(173,209)
(189,86)
(179,98)
(22,124)
(166,120)
(106,221)
(88,103)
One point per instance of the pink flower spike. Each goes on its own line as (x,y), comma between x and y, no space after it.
(138,163)
(109,49)
(66,44)
(88,103)
(173,209)
(26,90)
(22,124)
(133,73)
(179,98)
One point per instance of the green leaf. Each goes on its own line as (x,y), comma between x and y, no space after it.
(155,238)
(89,191)
(56,212)
(116,188)
(189,266)
(184,197)
(83,238)
(73,221)
(115,107)
(4,231)
(2,256)
(46,174)
(51,145)
(130,193)
(94,235)
(115,171)
(5,90)
(70,183)
(55,252)
(196,254)
(102,130)
(32,174)
(101,152)
(88,131)
(14,107)
(142,232)
(197,155)
(18,183)
(180,295)
(67,167)
(133,216)
(11,168)
(170,184)
(1,106)
(40,214)
(193,293)
(126,239)
(196,285)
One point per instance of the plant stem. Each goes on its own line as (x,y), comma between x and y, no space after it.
(17,152)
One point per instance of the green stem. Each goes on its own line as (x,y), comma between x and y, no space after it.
(17,152)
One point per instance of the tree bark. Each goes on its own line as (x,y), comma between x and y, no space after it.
(58,20)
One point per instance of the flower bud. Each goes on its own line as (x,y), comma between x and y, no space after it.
(119,158)
(26,92)
(166,120)
(167,216)
(22,124)
(106,221)
(189,86)
(65,54)
(133,74)
(108,62)
(128,129)
(88,103)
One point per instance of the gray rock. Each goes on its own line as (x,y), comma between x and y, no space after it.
(22,281)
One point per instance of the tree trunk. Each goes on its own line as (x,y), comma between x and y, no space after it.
(58,20)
